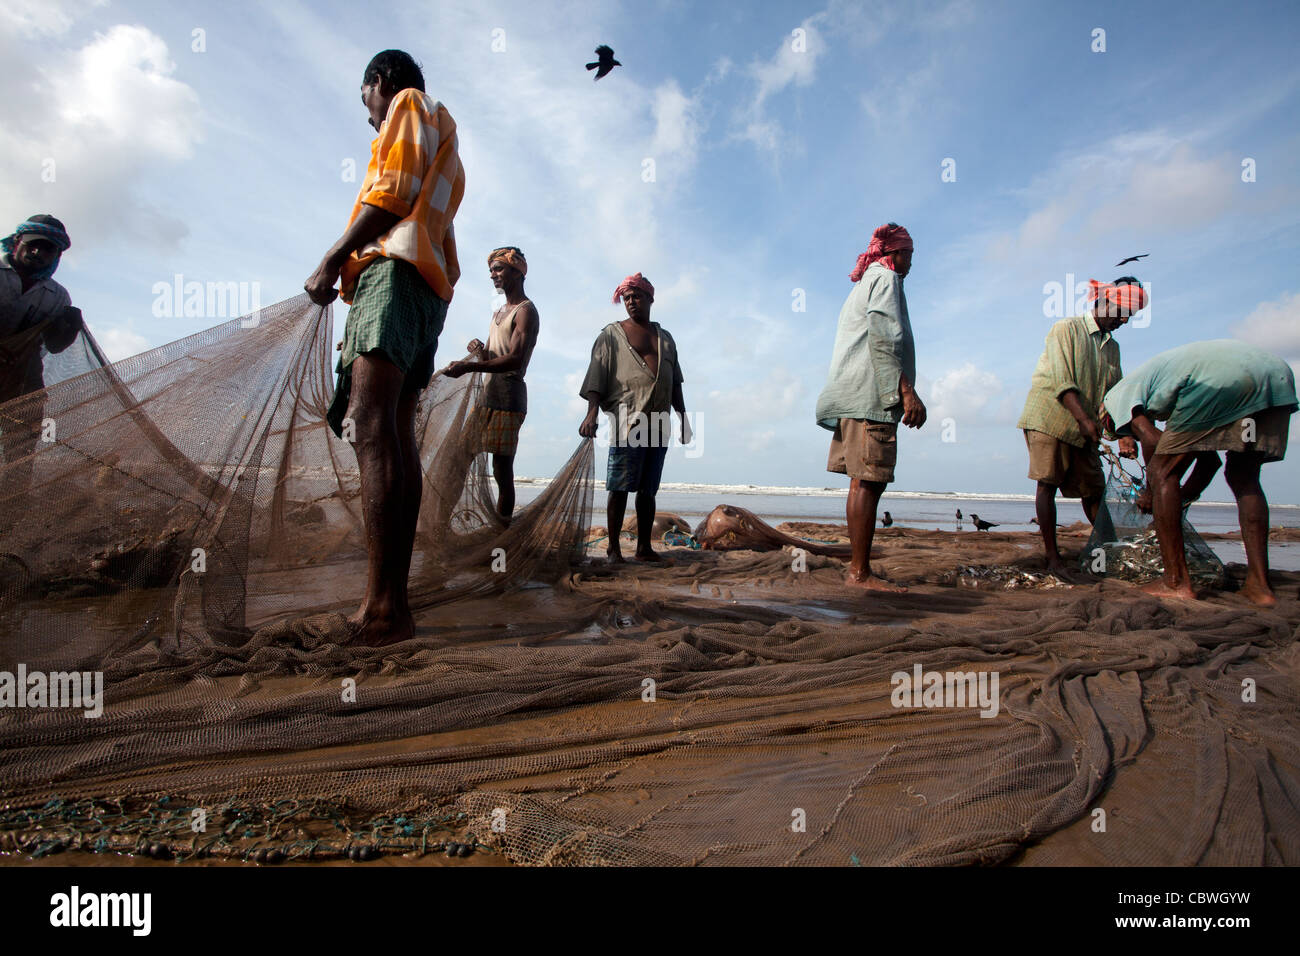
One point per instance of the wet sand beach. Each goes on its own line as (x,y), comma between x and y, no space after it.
(727,708)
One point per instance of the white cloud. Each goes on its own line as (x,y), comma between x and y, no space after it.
(575,405)
(80,140)
(962,394)
(1181,191)
(775,397)
(119,343)
(1140,183)
(34,18)
(677,124)
(1274,326)
(793,64)
(898,96)
(760,441)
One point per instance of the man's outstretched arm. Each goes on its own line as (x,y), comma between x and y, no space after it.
(524,335)
(371,223)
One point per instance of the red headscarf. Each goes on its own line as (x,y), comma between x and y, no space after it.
(1130,298)
(886,239)
(637,281)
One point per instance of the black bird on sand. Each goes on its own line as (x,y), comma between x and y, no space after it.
(886,521)
(605,63)
(981,525)
(1118,264)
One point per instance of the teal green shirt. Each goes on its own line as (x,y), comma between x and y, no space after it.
(873,347)
(1203,385)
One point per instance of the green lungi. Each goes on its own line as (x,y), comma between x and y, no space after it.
(396,315)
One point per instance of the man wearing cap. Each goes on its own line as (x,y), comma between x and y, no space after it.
(1214,396)
(396,264)
(1061,418)
(36,314)
(496,420)
(869,389)
(634,376)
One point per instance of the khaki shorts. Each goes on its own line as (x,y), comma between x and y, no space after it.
(1075,471)
(864,449)
(1270,433)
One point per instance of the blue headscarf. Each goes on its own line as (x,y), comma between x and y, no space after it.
(35,227)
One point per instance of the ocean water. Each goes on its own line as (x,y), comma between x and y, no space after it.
(926,510)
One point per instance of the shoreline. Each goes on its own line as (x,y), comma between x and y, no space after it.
(800,491)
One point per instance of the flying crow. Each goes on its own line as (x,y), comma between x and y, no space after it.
(980,524)
(1117,265)
(606,61)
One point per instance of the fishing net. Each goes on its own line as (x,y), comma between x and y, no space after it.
(718,707)
(1124,537)
(31,359)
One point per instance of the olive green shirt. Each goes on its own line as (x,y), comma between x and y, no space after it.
(623,380)
(1077,355)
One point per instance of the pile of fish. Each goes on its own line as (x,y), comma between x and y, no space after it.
(1137,558)
(1002,577)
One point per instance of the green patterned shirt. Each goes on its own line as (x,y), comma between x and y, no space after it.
(1080,356)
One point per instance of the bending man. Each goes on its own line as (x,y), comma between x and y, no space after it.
(1214,396)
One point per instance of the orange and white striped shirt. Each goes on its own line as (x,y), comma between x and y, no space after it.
(415,172)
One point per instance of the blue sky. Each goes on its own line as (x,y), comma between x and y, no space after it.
(772,166)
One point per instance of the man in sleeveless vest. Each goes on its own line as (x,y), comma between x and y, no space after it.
(496,420)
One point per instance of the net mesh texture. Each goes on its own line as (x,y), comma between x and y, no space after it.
(720,708)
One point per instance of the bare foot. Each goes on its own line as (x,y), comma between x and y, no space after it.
(648,555)
(614,555)
(872,583)
(375,630)
(1158,588)
(1255,594)
(1056,566)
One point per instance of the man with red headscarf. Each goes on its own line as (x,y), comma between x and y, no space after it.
(870,389)
(1061,419)
(634,377)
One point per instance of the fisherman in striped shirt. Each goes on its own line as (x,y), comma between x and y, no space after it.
(1061,419)
(397,265)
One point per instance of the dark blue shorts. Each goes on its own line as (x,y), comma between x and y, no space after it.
(635,469)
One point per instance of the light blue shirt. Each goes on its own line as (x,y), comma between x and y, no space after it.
(1203,385)
(873,347)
